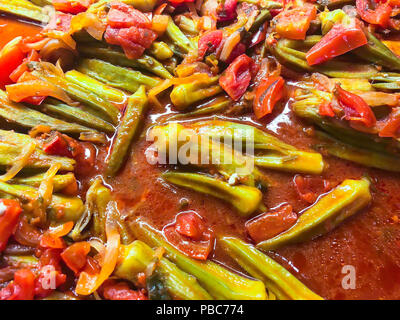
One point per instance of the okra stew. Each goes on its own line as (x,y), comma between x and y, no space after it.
(199,149)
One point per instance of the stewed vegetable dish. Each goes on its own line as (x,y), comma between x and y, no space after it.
(199,149)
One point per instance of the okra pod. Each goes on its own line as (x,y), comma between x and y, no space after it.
(220,283)
(77,92)
(11,144)
(275,277)
(24,9)
(118,77)
(61,209)
(364,157)
(117,57)
(178,37)
(184,95)
(78,114)
(29,118)
(127,130)
(245,199)
(137,256)
(327,213)
(60,181)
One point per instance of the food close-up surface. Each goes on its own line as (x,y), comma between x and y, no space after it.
(199,149)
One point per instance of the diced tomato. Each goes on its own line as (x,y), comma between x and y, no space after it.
(237,51)
(57,145)
(113,290)
(294,23)
(309,188)
(134,41)
(75,255)
(325,109)
(267,94)
(380,16)
(60,22)
(22,288)
(354,107)
(71,6)
(339,40)
(270,224)
(50,256)
(190,235)
(47,281)
(391,126)
(52,242)
(227,11)
(9,214)
(122,15)
(237,77)
(209,42)
(11,56)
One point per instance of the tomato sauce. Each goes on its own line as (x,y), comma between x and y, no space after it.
(369,241)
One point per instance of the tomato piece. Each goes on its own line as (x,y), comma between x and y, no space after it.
(354,107)
(72,6)
(270,224)
(57,145)
(52,242)
(267,94)
(309,188)
(10,211)
(23,67)
(325,109)
(190,235)
(59,22)
(11,56)
(237,77)
(27,76)
(227,11)
(122,15)
(113,290)
(209,42)
(47,281)
(339,40)
(75,256)
(380,16)
(391,126)
(294,23)
(22,288)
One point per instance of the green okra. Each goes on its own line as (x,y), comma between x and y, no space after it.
(97,198)
(178,37)
(137,256)
(386,81)
(276,278)
(61,208)
(219,282)
(117,57)
(97,87)
(161,51)
(118,77)
(42,3)
(263,16)
(79,114)
(77,92)
(185,95)
(127,130)
(284,50)
(364,157)
(245,199)
(60,181)
(207,153)
(308,109)
(327,213)
(213,106)
(271,152)
(142,5)
(29,118)
(11,144)
(24,9)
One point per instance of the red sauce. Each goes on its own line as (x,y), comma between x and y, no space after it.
(11,28)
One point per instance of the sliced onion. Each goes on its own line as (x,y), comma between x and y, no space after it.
(229,45)
(46,186)
(21,162)
(87,283)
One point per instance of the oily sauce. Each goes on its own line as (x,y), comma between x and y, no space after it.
(369,242)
